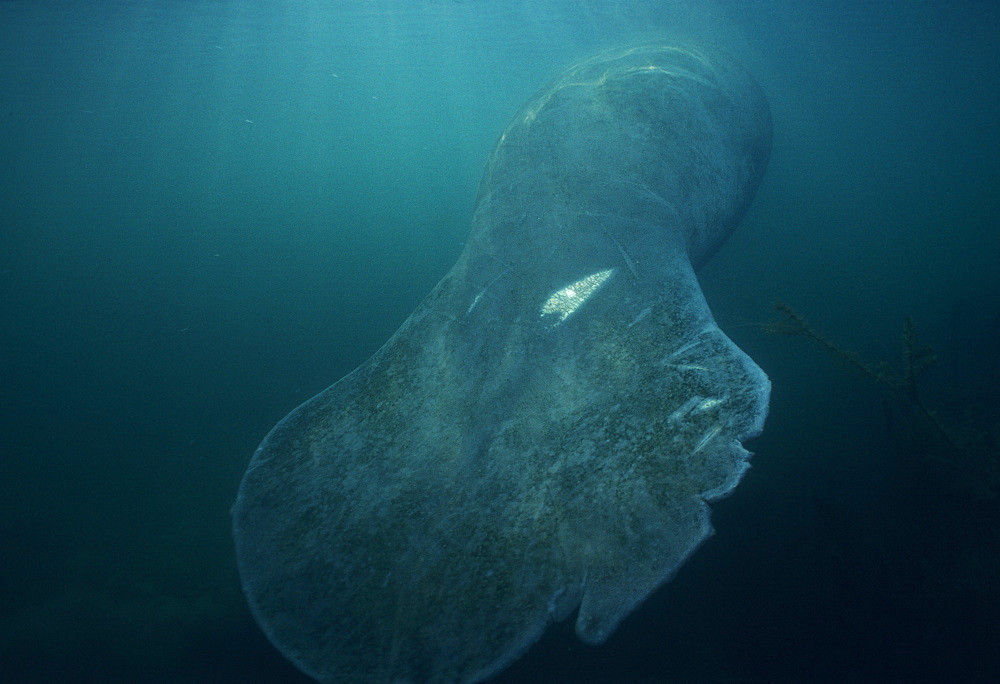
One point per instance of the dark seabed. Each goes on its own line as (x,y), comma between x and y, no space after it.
(210,211)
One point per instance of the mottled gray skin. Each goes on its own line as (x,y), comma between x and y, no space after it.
(507,458)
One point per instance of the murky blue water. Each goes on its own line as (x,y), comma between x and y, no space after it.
(209,211)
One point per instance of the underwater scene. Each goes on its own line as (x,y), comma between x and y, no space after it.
(605,341)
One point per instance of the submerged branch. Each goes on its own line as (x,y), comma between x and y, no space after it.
(916,360)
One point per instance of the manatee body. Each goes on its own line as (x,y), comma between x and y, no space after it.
(543,433)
